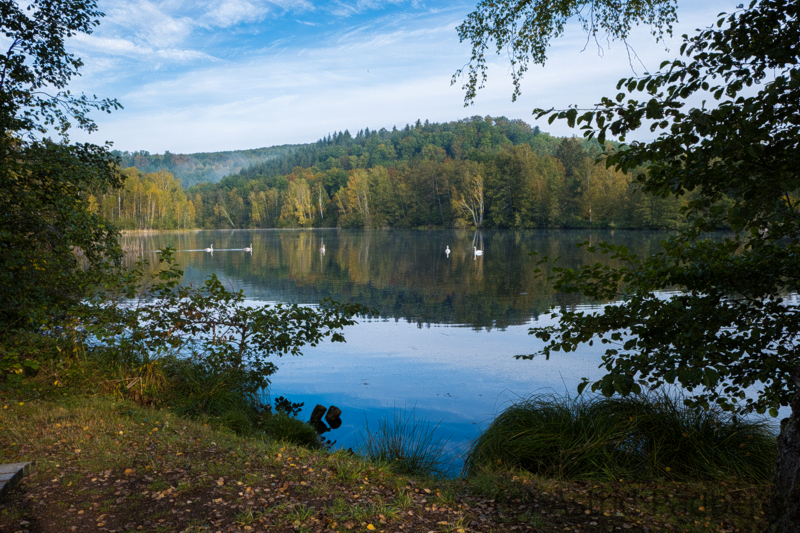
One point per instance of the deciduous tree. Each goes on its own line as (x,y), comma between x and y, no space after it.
(523,28)
(730,323)
(45,222)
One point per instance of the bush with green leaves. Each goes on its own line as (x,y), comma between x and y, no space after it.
(281,426)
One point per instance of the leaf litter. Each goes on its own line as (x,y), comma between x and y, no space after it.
(191,477)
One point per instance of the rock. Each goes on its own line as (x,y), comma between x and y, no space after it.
(316,419)
(332,418)
(317,414)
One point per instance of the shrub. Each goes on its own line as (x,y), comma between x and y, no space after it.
(283,427)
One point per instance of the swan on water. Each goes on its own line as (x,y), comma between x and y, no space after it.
(249,249)
(210,249)
(476,251)
(447,250)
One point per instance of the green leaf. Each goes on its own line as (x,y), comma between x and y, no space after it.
(570,115)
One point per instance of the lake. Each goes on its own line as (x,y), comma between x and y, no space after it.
(449,325)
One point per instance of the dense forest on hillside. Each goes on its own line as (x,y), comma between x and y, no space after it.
(477,172)
(203,167)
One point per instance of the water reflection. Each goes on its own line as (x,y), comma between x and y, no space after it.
(450,323)
(403,274)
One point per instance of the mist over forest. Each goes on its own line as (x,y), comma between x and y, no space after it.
(201,167)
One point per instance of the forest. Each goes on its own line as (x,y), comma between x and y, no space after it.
(479,172)
(202,167)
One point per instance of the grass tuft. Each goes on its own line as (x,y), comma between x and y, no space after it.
(409,445)
(636,437)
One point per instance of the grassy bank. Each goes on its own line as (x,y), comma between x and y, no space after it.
(124,443)
(106,464)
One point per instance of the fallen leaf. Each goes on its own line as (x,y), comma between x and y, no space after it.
(220,482)
(370,527)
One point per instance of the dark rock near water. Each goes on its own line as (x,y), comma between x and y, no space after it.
(316,419)
(317,414)
(332,418)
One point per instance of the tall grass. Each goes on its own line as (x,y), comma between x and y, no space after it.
(408,444)
(636,437)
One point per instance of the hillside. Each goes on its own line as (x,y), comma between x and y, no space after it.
(202,167)
(475,172)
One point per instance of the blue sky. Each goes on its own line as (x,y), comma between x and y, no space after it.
(214,75)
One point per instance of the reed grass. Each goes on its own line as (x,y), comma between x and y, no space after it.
(651,436)
(410,445)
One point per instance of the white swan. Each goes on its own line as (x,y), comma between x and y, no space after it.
(476,251)
(210,249)
(447,250)
(249,249)
(322,249)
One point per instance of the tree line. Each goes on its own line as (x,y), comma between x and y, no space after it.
(154,200)
(479,172)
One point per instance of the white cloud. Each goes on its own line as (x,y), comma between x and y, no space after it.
(227,13)
(110,45)
(346,9)
(122,47)
(147,24)
(386,71)
(295,6)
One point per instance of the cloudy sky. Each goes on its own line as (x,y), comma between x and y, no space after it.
(211,75)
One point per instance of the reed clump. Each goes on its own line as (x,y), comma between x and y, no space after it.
(409,444)
(645,437)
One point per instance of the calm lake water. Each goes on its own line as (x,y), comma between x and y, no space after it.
(449,325)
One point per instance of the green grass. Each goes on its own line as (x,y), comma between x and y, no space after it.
(408,444)
(349,470)
(189,388)
(637,437)
(193,456)
(283,427)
